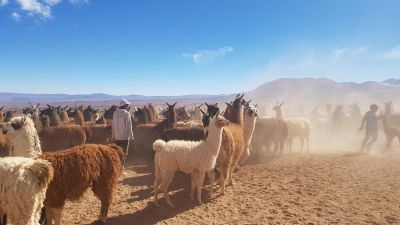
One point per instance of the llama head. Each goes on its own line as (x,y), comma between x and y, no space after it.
(251,111)
(212,109)
(388,107)
(1,111)
(17,124)
(171,110)
(219,121)
(45,120)
(182,113)
(140,116)
(205,118)
(8,115)
(278,106)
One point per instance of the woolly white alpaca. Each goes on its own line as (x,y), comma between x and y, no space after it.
(194,157)
(24,144)
(23,186)
(297,127)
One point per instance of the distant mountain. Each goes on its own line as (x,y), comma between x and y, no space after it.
(322,90)
(392,81)
(17,99)
(290,90)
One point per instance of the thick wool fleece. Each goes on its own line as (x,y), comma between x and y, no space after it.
(23,186)
(25,141)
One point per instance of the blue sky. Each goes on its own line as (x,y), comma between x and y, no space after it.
(192,47)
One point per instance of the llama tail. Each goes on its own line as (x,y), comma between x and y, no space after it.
(159,145)
(43,171)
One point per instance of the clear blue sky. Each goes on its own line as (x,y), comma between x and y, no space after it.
(192,47)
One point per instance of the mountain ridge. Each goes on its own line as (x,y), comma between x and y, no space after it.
(292,90)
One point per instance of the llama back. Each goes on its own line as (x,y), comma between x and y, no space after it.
(90,163)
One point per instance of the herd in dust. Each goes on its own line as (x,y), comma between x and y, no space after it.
(54,154)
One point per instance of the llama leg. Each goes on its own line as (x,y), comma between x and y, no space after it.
(302,143)
(105,194)
(230,172)
(364,143)
(164,186)
(157,182)
(245,155)
(199,184)
(389,140)
(211,177)
(192,185)
(373,140)
(281,147)
(49,216)
(54,214)
(3,218)
(276,144)
(222,179)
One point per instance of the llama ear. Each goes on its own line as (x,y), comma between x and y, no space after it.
(216,104)
(31,104)
(241,96)
(37,106)
(168,104)
(174,104)
(206,104)
(281,104)
(49,106)
(202,112)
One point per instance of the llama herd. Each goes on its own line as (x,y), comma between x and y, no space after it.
(55,154)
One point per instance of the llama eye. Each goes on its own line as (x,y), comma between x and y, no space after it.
(15,126)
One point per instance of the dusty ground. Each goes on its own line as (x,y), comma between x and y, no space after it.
(340,188)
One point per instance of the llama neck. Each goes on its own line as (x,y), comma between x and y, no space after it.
(384,124)
(26,143)
(248,129)
(197,114)
(171,120)
(214,139)
(35,114)
(236,115)
(279,113)
(388,111)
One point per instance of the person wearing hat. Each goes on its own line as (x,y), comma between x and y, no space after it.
(122,127)
(370,121)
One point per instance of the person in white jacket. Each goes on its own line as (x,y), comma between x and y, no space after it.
(122,127)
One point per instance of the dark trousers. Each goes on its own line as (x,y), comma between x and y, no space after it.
(124,144)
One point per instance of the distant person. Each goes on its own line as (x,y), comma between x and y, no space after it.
(338,120)
(370,121)
(122,127)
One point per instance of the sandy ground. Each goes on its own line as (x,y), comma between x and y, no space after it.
(339,188)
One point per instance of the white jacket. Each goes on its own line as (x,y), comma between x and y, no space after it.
(122,125)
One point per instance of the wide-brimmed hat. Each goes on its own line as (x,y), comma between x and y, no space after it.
(124,102)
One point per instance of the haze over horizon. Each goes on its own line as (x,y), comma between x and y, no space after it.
(182,48)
